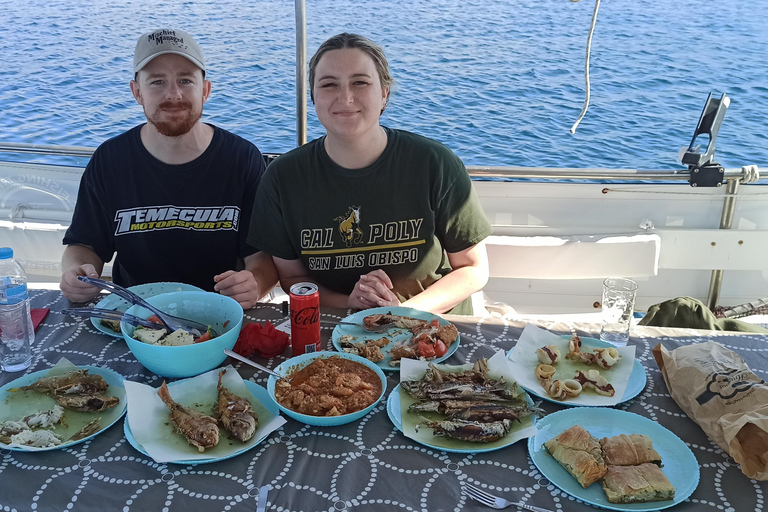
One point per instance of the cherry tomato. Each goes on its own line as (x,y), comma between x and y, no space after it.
(435,323)
(440,348)
(205,337)
(154,318)
(426,349)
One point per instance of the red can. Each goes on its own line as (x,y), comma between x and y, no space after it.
(305,318)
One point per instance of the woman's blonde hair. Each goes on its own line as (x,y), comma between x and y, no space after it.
(346,40)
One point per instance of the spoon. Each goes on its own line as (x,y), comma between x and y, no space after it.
(172,323)
(252,363)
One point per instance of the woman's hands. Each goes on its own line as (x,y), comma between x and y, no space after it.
(374,289)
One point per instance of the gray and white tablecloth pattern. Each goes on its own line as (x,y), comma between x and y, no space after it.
(366,465)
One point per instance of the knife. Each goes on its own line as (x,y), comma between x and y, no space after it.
(261,505)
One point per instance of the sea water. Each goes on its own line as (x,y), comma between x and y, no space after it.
(498,82)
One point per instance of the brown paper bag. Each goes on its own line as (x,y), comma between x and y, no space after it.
(717,390)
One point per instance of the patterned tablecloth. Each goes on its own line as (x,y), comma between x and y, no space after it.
(366,465)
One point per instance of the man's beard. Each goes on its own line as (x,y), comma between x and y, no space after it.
(176,127)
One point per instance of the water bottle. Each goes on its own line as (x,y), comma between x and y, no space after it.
(16,330)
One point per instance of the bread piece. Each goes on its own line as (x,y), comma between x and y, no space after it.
(579,453)
(637,484)
(629,450)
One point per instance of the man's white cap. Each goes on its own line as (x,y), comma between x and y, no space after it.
(166,40)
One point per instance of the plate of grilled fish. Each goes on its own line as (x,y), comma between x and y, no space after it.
(466,409)
(59,407)
(117,303)
(208,418)
(388,335)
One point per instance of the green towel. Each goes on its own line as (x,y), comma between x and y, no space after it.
(693,314)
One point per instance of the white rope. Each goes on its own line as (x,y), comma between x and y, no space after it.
(751,173)
(586,67)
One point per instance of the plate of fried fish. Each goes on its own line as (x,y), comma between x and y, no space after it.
(208,418)
(405,333)
(470,408)
(59,407)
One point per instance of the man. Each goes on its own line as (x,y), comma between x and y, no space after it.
(172,197)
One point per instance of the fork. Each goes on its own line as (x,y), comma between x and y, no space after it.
(372,328)
(489,500)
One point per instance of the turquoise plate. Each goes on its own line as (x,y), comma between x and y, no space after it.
(395,415)
(261,395)
(635,385)
(680,465)
(109,417)
(395,335)
(144,291)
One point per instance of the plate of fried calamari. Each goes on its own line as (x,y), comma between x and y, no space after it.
(59,407)
(471,408)
(614,459)
(409,334)
(576,371)
(208,418)
(117,303)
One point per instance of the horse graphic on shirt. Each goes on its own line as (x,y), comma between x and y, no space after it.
(349,226)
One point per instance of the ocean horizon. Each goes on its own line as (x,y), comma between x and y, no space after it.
(500,83)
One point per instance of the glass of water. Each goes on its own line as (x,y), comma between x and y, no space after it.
(618,303)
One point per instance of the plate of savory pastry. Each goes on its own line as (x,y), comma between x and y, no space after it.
(614,459)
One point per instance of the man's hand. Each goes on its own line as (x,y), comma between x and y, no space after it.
(374,289)
(241,286)
(76,290)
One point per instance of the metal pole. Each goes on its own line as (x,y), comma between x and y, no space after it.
(301,72)
(726,221)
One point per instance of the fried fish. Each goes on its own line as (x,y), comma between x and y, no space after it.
(200,429)
(87,403)
(75,382)
(235,413)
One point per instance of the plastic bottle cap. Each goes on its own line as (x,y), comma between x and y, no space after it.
(6,253)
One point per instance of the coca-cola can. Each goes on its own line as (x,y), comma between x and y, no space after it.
(305,318)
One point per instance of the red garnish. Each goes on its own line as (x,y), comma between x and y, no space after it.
(225,324)
(263,340)
(155,319)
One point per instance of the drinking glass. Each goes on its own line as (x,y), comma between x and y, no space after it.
(618,302)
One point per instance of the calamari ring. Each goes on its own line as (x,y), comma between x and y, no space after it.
(548,355)
(574,345)
(572,387)
(544,371)
(606,357)
(556,389)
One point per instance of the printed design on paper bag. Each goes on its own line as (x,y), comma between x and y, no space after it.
(727,385)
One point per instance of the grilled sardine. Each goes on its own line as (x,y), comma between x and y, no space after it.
(471,431)
(491,390)
(235,413)
(199,429)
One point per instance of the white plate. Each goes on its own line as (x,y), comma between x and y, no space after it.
(144,291)
(261,395)
(393,334)
(680,465)
(76,420)
(635,385)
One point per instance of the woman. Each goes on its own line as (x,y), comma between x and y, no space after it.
(374,216)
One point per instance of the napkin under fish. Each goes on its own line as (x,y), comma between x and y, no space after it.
(150,426)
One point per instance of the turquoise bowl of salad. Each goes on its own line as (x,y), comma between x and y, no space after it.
(179,355)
